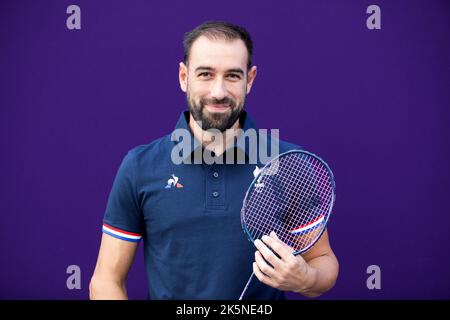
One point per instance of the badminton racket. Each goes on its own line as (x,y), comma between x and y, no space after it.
(292,195)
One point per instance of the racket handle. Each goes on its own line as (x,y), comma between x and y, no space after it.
(246,286)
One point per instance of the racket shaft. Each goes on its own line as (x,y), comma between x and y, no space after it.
(246,286)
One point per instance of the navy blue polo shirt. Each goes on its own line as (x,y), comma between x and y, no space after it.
(188,216)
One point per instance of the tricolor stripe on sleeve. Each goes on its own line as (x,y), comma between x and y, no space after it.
(305,228)
(121,234)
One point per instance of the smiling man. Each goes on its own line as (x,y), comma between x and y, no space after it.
(188,215)
(216,80)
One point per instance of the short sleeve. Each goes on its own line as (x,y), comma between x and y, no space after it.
(123,216)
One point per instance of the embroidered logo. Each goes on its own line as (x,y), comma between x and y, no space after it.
(173,182)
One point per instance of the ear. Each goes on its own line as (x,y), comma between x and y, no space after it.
(182,76)
(251,75)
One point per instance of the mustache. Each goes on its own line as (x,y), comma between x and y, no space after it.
(227,101)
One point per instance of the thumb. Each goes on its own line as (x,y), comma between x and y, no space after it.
(275,236)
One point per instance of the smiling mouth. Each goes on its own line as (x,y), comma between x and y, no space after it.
(217,107)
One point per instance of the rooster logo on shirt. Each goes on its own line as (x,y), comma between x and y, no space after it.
(173,182)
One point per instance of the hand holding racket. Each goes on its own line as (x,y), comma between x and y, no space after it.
(276,266)
(291,198)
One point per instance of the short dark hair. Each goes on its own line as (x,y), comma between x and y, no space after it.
(218,30)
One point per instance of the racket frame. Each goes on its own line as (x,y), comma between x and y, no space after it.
(330,207)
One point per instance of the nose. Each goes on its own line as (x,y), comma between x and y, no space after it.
(218,90)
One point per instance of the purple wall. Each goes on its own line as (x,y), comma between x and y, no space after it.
(373,103)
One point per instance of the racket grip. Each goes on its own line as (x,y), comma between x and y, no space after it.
(246,287)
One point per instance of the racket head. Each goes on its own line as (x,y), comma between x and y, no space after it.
(292,195)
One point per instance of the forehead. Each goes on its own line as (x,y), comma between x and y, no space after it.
(218,53)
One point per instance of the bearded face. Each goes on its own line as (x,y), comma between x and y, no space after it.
(216,81)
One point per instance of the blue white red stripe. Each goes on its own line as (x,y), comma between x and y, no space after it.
(121,234)
(304,228)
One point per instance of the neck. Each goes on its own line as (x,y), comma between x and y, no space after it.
(215,141)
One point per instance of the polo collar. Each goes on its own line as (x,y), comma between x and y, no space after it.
(247,123)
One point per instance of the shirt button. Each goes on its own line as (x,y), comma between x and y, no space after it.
(215,174)
(215,194)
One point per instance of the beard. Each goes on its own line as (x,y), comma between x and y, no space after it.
(217,120)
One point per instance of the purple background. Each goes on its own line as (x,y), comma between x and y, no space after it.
(372,103)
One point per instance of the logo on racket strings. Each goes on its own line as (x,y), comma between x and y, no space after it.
(258,184)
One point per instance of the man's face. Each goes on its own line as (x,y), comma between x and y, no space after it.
(216,81)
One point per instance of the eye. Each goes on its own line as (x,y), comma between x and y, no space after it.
(204,74)
(234,76)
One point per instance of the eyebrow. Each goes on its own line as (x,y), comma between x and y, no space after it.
(235,70)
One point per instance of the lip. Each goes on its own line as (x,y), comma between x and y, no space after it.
(217,107)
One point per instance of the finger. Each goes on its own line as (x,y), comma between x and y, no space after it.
(267,253)
(261,276)
(274,235)
(279,247)
(264,266)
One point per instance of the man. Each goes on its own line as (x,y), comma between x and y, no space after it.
(188,213)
